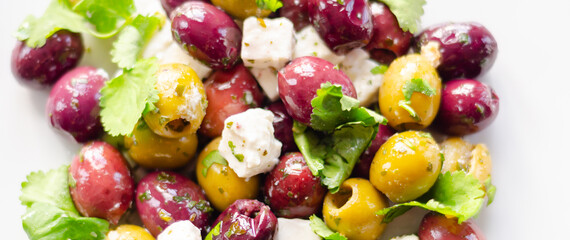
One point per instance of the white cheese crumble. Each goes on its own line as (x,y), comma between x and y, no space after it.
(267,42)
(248,143)
(267,79)
(194,105)
(181,230)
(298,229)
(360,69)
(310,43)
(406,237)
(430,51)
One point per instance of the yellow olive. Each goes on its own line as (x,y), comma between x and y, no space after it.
(406,166)
(241,8)
(220,182)
(182,103)
(153,151)
(129,232)
(464,156)
(352,210)
(410,94)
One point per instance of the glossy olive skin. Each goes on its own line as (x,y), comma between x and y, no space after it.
(283,126)
(241,9)
(73,103)
(343,27)
(461,155)
(153,151)
(100,182)
(391,93)
(291,190)
(207,33)
(467,106)
(128,232)
(220,183)
(43,66)
(182,102)
(352,210)
(246,220)
(435,226)
(406,166)
(299,81)
(362,168)
(163,198)
(228,93)
(297,11)
(170,5)
(388,39)
(467,49)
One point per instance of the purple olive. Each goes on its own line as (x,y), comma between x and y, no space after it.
(44,65)
(435,226)
(283,125)
(467,106)
(163,198)
(343,25)
(207,33)
(468,49)
(297,12)
(388,39)
(73,104)
(362,168)
(246,220)
(299,81)
(170,5)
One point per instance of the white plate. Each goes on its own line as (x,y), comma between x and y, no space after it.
(529,140)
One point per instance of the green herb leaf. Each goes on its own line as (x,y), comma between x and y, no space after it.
(272,5)
(408,12)
(380,69)
(453,194)
(106,15)
(214,232)
(320,228)
(132,39)
(124,98)
(490,191)
(210,159)
(415,85)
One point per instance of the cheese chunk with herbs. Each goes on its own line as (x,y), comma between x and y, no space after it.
(366,75)
(267,42)
(298,229)
(310,43)
(181,230)
(267,79)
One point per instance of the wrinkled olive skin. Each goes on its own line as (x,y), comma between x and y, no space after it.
(153,151)
(163,198)
(283,126)
(468,49)
(362,168)
(406,166)
(207,33)
(100,182)
(291,190)
(241,9)
(391,93)
(221,184)
(246,220)
(467,106)
(43,66)
(178,86)
(73,103)
(129,232)
(170,5)
(352,210)
(297,12)
(435,226)
(461,155)
(388,39)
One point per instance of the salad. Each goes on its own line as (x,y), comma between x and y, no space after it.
(259,120)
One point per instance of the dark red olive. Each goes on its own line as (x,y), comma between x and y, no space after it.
(170,5)
(362,168)
(435,226)
(246,220)
(283,125)
(297,12)
(43,66)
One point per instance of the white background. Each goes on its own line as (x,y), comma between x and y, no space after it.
(529,140)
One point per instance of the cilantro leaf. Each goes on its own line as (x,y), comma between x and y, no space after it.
(453,194)
(124,98)
(415,85)
(320,228)
(105,15)
(380,69)
(272,5)
(132,39)
(408,12)
(490,191)
(210,159)
(50,212)
(214,232)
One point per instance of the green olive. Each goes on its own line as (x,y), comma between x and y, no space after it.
(129,232)
(241,8)
(352,210)
(410,94)
(406,166)
(464,156)
(153,151)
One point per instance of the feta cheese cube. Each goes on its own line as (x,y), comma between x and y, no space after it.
(406,237)
(310,43)
(267,42)
(267,79)
(181,230)
(298,229)
(364,74)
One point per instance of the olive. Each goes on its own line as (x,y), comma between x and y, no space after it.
(467,106)
(435,226)
(352,210)
(283,126)
(246,220)
(154,151)
(128,231)
(461,155)
(297,12)
(406,166)
(170,5)
(100,182)
(42,66)
(468,49)
(73,103)
(362,168)
(207,33)
(411,93)
(221,184)
(299,81)
(241,9)
(182,102)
